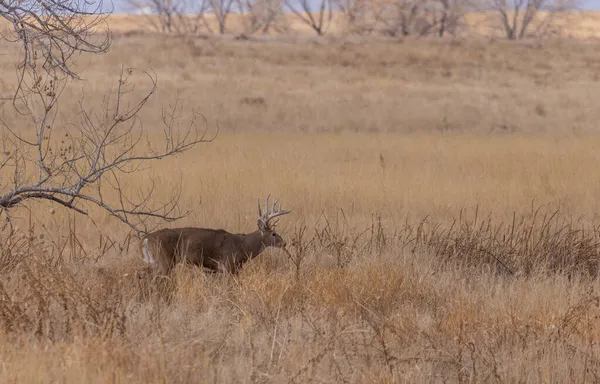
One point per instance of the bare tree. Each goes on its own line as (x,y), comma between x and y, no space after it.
(399,17)
(519,17)
(261,15)
(450,15)
(173,16)
(316,14)
(221,9)
(419,17)
(357,15)
(84,163)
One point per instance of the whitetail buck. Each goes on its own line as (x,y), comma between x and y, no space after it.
(214,249)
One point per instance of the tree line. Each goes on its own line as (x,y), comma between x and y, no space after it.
(515,19)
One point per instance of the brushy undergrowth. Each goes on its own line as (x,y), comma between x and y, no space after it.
(475,301)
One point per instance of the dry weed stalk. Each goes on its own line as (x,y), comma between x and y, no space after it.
(300,248)
(536,242)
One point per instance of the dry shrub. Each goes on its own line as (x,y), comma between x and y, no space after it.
(51,288)
(47,300)
(542,241)
(418,302)
(483,300)
(539,242)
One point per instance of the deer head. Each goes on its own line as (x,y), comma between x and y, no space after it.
(266,225)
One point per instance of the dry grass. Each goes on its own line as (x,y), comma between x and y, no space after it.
(353,85)
(419,251)
(369,309)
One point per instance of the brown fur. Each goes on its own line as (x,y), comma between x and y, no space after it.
(214,249)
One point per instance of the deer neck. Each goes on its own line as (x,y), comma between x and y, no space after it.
(253,244)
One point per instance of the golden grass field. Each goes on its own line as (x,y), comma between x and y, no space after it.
(377,147)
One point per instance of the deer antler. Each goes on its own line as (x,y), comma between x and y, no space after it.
(264,220)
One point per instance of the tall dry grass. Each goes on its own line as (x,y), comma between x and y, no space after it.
(471,304)
(444,222)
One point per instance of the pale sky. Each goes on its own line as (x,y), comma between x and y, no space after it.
(592,4)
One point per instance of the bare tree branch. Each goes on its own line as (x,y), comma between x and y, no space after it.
(87,167)
(318,19)
(357,15)
(518,17)
(50,32)
(261,15)
(221,10)
(180,17)
(416,17)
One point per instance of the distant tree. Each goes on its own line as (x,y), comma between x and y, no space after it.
(172,16)
(419,17)
(221,9)
(261,15)
(451,15)
(357,15)
(317,14)
(404,17)
(520,18)
(184,16)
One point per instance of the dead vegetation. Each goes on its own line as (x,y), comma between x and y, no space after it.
(411,303)
(410,86)
(444,226)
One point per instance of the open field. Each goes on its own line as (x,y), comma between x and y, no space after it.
(377,149)
(317,85)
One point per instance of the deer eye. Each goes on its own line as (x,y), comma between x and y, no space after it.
(274,234)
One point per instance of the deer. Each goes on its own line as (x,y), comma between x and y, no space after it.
(213,249)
